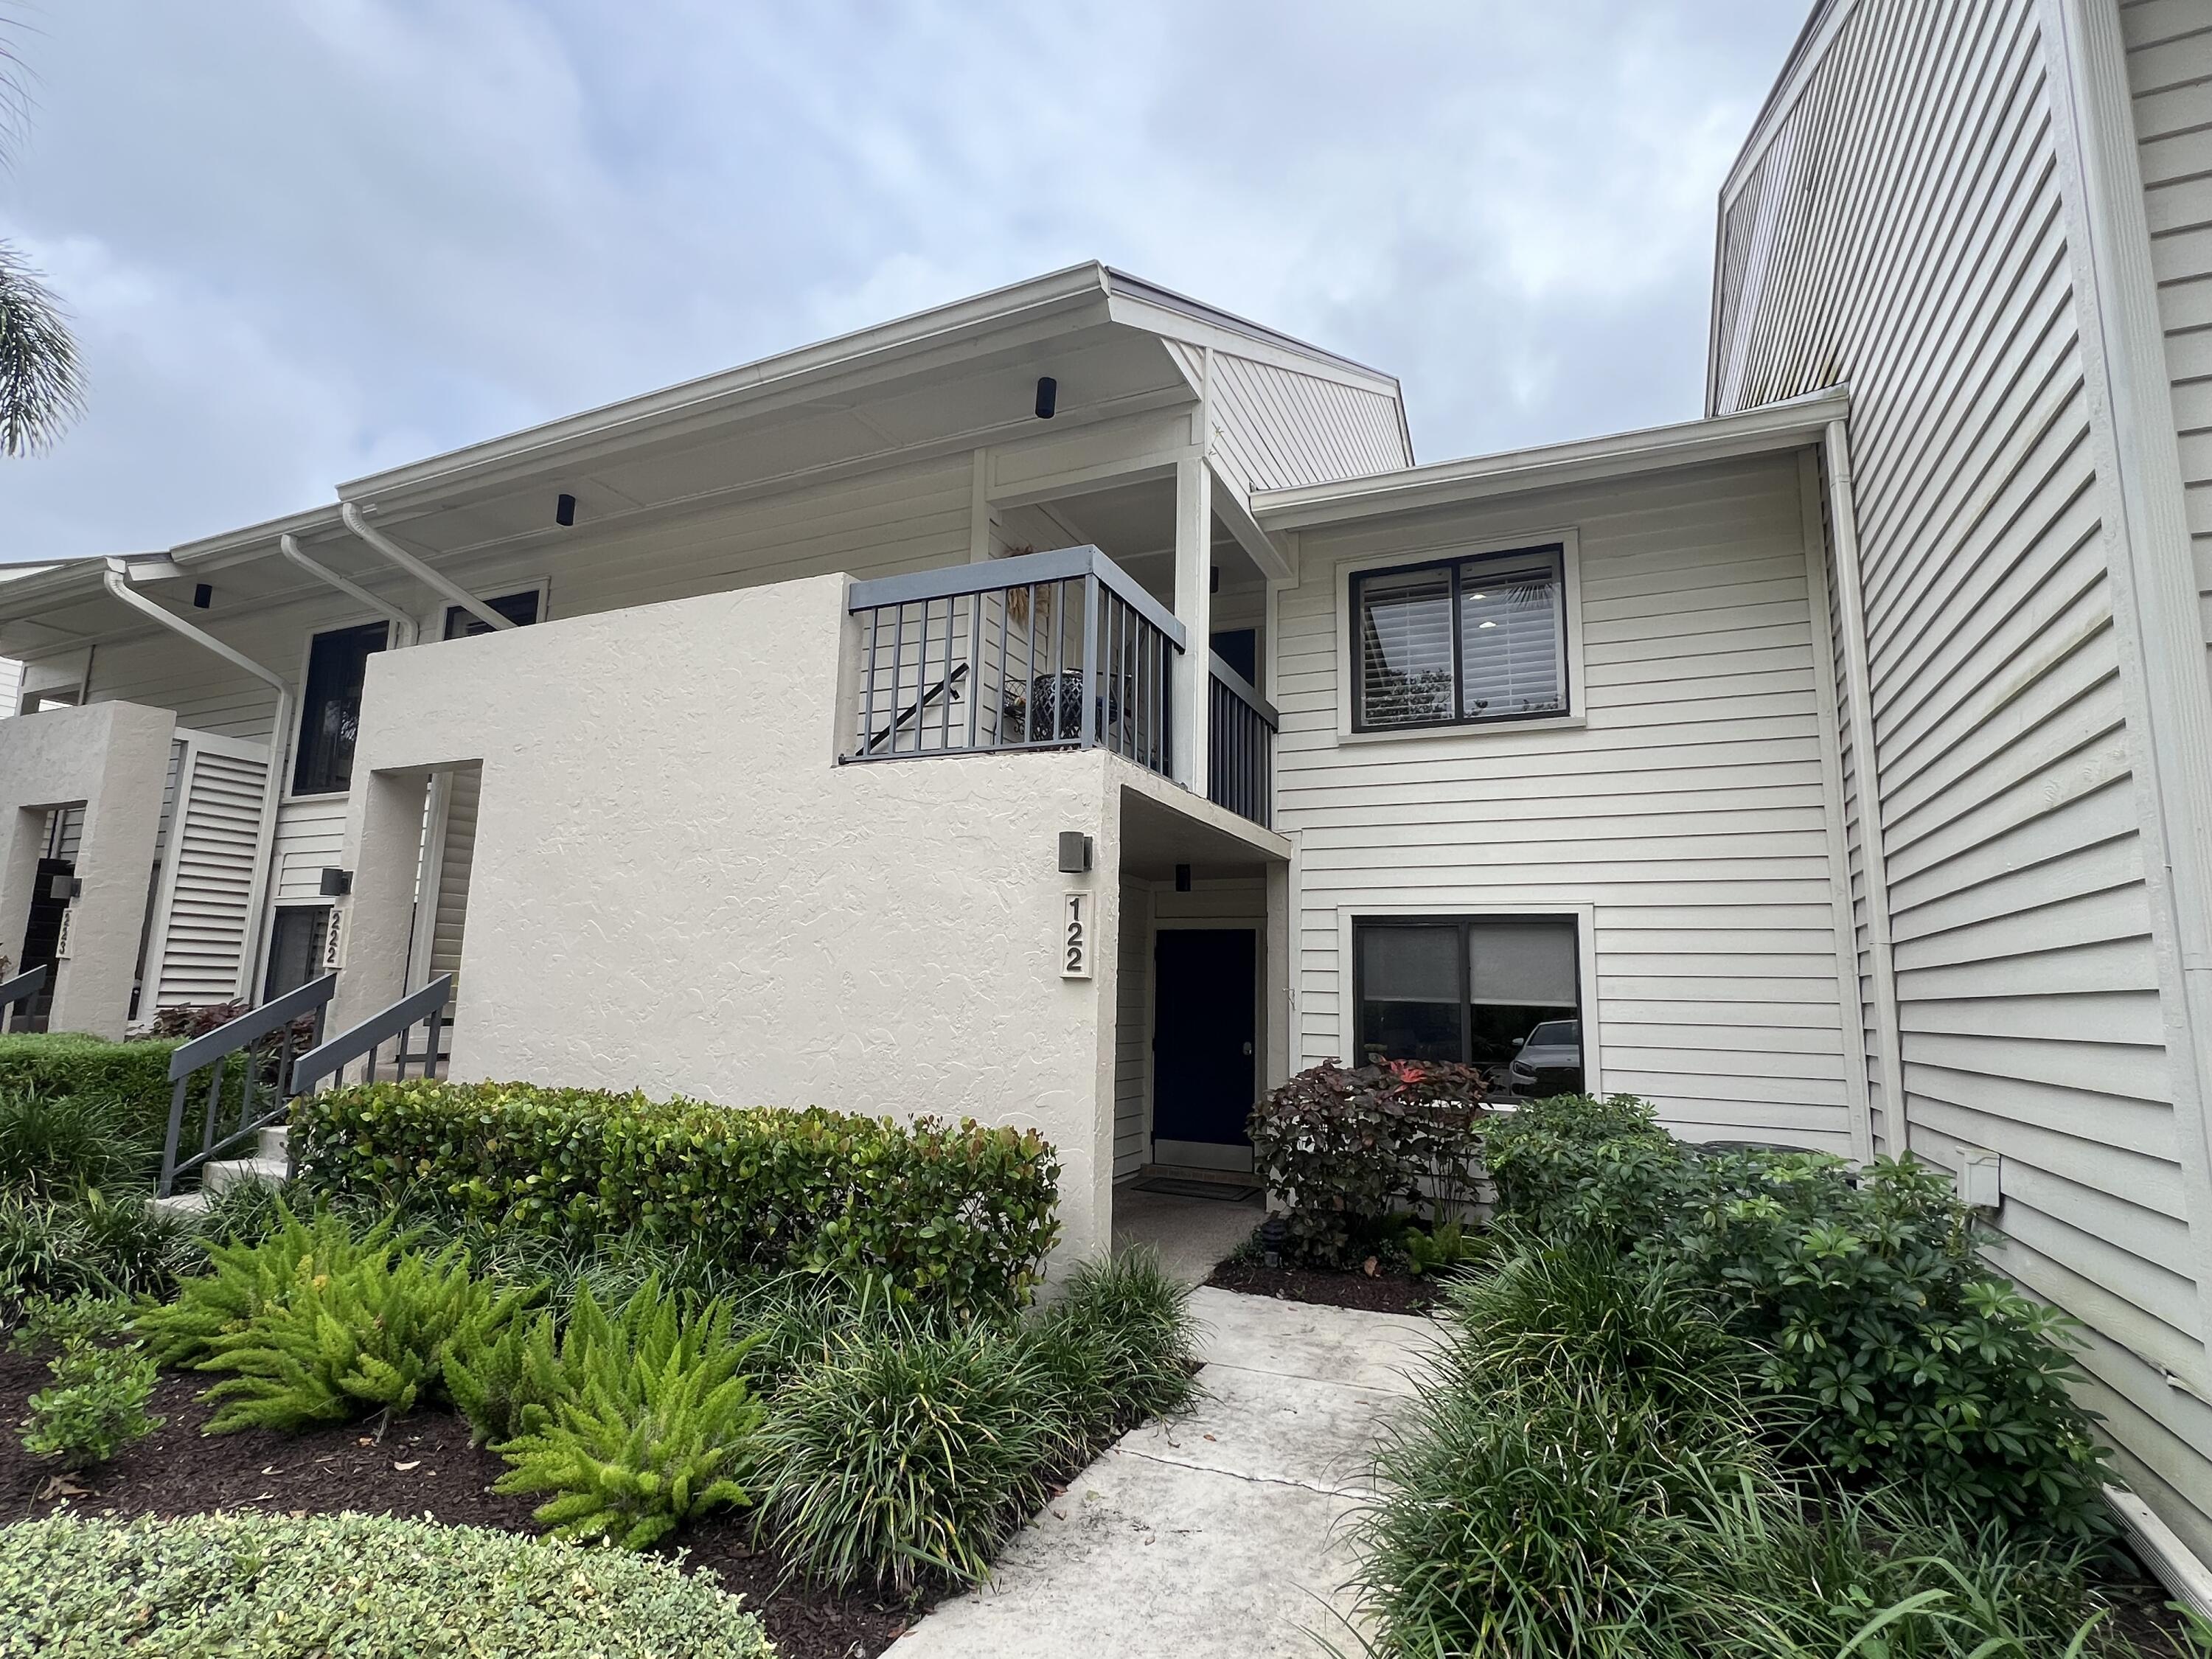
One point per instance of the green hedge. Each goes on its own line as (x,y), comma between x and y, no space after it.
(349,1586)
(957,1214)
(134,1075)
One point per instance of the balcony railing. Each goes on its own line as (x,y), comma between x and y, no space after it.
(1240,745)
(1057,650)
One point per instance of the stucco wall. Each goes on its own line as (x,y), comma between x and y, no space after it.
(677,888)
(114,757)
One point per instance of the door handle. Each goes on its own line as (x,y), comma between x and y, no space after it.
(1247,1049)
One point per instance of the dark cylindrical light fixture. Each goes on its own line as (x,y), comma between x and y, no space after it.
(564,510)
(1048,397)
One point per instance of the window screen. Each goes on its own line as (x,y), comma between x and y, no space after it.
(1411,1000)
(1522,962)
(330,712)
(1466,639)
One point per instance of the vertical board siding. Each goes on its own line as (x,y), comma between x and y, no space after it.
(2170,77)
(1924,262)
(1689,812)
(1277,427)
(465,792)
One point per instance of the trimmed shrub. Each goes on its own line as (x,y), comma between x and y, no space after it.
(350,1586)
(1866,1291)
(50,1321)
(1346,1151)
(132,1077)
(909,1450)
(638,1423)
(957,1214)
(95,1407)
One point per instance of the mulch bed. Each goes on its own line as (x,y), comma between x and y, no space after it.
(1383,1292)
(424,1466)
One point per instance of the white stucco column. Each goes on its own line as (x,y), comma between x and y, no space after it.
(383,849)
(1193,608)
(114,757)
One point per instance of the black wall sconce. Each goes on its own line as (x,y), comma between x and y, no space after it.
(564,510)
(336,884)
(203,597)
(1074,851)
(1183,879)
(1048,397)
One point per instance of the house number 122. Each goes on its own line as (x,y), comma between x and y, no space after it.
(1075,936)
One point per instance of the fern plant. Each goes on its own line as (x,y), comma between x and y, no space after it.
(245,1279)
(635,1422)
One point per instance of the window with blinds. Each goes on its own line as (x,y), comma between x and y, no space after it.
(1461,641)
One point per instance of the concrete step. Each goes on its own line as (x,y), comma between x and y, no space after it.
(182,1205)
(274,1143)
(221,1177)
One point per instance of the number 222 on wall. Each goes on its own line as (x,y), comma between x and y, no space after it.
(1075,935)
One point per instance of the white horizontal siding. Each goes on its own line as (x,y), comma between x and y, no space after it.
(1132,1026)
(1923,260)
(2169,77)
(1689,812)
(310,839)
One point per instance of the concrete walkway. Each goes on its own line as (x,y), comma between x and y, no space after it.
(1214,1536)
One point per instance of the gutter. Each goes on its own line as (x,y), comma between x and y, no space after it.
(403,625)
(118,583)
(414,566)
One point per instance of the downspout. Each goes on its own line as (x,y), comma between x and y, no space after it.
(422,572)
(273,792)
(403,625)
(1866,768)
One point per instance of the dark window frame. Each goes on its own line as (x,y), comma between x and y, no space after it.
(328,778)
(1459,923)
(1456,564)
(463,624)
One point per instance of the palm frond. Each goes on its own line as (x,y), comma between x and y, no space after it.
(41,380)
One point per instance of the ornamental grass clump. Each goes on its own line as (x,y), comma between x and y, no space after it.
(58,1144)
(1121,1344)
(908,1451)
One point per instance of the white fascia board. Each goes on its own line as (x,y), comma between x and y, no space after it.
(1778,426)
(787,373)
(1147,306)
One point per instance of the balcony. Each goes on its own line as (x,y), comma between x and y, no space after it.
(1060,650)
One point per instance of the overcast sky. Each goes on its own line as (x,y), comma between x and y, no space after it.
(303,241)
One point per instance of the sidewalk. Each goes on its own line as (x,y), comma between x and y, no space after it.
(1213,1536)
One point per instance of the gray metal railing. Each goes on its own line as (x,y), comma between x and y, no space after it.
(365,1041)
(1240,745)
(255,1098)
(1052,650)
(14,993)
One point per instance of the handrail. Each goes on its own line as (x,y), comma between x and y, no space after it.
(1024,569)
(21,990)
(251,1026)
(1241,689)
(331,1057)
(274,1017)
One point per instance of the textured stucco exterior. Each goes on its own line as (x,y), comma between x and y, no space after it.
(114,757)
(678,888)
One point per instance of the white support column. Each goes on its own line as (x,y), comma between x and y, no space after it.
(1193,608)
(384,841)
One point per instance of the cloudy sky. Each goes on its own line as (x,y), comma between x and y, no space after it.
(305,240)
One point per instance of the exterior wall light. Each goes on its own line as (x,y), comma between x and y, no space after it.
(1074,853)
(564,510)
(1183,879)
(1048,397)
(336,884)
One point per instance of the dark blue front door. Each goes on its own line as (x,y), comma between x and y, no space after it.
(1203,1064)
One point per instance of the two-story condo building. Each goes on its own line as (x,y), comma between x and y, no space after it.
(1074,707)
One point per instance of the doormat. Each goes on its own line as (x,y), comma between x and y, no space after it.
(1226,1192)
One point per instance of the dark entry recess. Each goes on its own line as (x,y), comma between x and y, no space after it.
(1204,1064)
(41,935)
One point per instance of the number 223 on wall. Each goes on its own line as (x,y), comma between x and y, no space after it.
(1075,936)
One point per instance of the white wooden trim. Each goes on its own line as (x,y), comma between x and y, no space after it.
(1865,761)
(1850,999)
(1585,915)
(2155,617)
(1567,540)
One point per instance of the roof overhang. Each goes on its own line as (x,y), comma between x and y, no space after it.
(1790,425)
